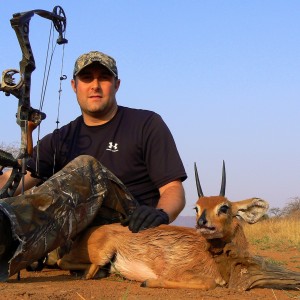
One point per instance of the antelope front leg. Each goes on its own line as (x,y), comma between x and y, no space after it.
(91,271)
(233,251)
(67,265)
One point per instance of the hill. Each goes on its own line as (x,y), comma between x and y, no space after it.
(186,221)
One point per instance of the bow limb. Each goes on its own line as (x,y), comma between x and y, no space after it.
(27,117)
(20,23)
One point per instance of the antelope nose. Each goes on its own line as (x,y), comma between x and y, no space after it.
(202,219)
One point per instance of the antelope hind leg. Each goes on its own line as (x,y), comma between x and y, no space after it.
(203,284)
(257,272)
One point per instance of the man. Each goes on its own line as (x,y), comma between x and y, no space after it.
(111,164)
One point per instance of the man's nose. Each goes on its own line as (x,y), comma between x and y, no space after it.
(96,84)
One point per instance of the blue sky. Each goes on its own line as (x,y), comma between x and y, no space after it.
(224,75)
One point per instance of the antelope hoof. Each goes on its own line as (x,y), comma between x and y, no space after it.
(220,282)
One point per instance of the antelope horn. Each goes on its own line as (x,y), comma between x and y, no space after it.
(223,184)
(199,189)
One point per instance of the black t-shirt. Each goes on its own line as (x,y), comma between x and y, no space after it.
(136,145)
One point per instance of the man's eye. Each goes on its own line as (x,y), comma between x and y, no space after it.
(85,77)
(106,76)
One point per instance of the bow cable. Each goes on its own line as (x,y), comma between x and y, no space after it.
(44,88)
(61,78)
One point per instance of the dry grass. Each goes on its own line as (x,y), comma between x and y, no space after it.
(274,233)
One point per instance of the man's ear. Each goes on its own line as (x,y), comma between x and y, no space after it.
(73,84)
(117,84)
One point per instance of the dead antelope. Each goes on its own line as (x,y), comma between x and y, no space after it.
(213,254)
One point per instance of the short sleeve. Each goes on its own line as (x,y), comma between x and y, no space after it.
(161,154)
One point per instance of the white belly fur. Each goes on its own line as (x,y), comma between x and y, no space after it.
(132,269)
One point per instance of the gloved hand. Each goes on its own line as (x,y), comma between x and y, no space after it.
(145,217)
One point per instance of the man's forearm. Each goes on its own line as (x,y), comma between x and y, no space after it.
(172,199)
(29,181)
(4,177)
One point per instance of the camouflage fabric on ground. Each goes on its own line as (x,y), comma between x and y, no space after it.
(49,216)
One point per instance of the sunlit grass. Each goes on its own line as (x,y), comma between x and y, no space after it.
(274,233)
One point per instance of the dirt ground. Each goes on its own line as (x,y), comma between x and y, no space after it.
(57,284)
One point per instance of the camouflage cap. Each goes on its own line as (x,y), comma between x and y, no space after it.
(95,56)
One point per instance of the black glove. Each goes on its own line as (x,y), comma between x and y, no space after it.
(145,217)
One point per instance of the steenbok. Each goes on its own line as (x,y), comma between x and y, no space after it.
(215,253)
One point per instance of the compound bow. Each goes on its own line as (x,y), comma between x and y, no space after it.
(27,117)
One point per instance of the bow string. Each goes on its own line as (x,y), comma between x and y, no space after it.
(27,117)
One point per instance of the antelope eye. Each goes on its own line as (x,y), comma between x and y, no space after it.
(224,209)
(196,209)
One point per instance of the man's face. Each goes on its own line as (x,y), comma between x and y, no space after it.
(96,89)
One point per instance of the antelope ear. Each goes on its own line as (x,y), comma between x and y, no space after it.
(250,210)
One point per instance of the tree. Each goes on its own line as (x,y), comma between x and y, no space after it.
(292,209)
(12,148)
(275,212)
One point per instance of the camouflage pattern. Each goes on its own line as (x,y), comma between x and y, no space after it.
(95,56)
(82,194)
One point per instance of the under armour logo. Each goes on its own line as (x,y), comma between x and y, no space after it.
(113,147)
